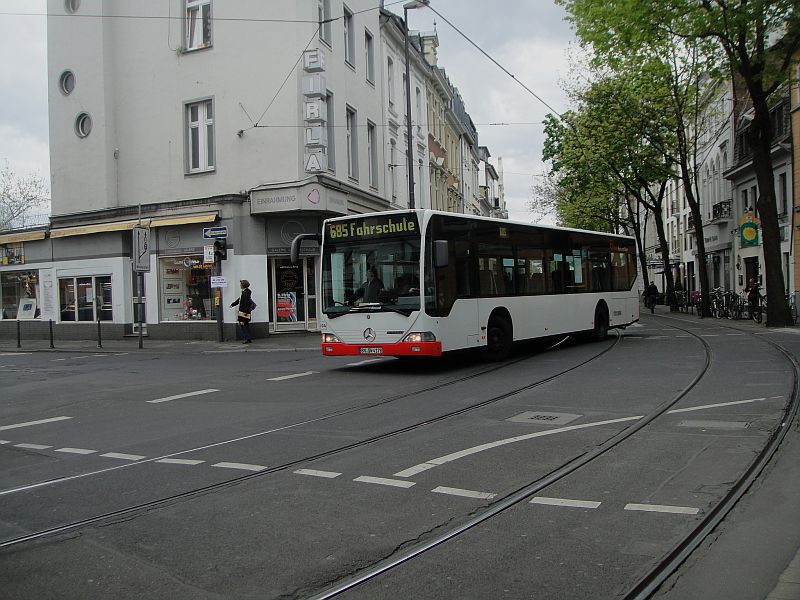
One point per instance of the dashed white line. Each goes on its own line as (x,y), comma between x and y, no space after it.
(32,446)
(122,456)
(76,450)
(385,481)
(565,502)
(30,423)
(294,375)
(680,510)
(241,466)
(14,353)
(179,461)
(411,471)
(179,396)
(5,441)
(316,473)
(694,408)
(463,493)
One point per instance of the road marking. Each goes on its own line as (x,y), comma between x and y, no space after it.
(385,481)
(79,357)
(285,377)
(463,493)
(693,408)
(180,461)
(315,473)
(242,466)
(365,362)
(76,450)
(435,462)
(680,510)
(5,441)
(178,396)
(14,353)
(122,456)
(32,446)
(58,359)
(565,502)
(710,335)
(734,334)
(29,423)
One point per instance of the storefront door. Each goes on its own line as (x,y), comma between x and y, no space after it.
(294,297)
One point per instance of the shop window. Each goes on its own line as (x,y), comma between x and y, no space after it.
(185,293)
(19,291)
(85,299)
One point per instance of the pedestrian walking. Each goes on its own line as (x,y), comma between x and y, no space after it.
(650,297)
(246,308)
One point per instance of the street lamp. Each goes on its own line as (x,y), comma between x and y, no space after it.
(410,148)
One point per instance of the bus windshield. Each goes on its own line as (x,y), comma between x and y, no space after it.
(375,275)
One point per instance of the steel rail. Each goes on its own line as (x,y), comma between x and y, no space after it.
(145,506)
(514,498)
(649,583)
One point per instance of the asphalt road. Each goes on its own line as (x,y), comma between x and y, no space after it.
(217,472)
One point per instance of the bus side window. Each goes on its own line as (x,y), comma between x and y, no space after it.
(556,273)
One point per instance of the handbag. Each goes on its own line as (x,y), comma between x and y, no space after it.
(244,315)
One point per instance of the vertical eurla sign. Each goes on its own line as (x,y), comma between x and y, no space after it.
(141,250)
(315,112)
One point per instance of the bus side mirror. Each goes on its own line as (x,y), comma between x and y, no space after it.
(441,253)
(294,252)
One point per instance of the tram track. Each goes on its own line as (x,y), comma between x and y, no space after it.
(228,483)
(655,577)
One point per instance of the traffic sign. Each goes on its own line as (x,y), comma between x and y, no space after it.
(213,233)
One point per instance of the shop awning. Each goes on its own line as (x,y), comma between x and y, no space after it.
(28,236)
(88,229)
(184,220)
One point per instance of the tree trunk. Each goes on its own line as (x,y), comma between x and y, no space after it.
(662,240)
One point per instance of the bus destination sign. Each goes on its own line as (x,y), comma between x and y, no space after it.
(373,227)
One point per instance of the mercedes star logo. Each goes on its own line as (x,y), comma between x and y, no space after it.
(369,334)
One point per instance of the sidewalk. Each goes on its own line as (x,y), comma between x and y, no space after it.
(279,342)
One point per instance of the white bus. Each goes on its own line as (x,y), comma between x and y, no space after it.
(422,282)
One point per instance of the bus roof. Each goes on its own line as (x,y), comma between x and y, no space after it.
(427,211)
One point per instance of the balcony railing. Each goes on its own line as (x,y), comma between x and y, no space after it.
(721,210)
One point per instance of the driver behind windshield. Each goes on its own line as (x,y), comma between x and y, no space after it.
(369,290)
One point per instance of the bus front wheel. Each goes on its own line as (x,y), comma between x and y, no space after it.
(600,330)
(499,338)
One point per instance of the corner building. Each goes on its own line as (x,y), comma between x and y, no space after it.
(258,119)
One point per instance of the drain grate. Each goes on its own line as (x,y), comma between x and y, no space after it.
(544,418)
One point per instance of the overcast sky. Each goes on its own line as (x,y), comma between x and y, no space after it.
(528,37)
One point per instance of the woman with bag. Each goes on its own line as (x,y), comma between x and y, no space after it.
(246,306)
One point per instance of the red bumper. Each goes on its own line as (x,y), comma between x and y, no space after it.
(399,349)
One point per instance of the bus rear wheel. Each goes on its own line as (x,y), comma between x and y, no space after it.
(499,338)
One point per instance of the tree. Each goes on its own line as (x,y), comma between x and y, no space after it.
(753,40)
(19,195)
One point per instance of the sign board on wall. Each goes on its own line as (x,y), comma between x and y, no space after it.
(315,112)
(311,197)
(141,250)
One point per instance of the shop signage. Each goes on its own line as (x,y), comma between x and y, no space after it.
(208,254)
(218,281)
(315,112)
(215,233)
(748,230)
(309,197)
(141,250)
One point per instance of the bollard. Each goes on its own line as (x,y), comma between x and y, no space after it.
(99,335)
(51,334)
(19,341)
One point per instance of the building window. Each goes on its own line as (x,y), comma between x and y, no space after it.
(19,291)
(185,289)
(200,136)
(198,24)
(83,125)
(352,144)
(85,298)
(324,15)
(783,207)
(66,83)
(372,153)
(349,37)
(418,100)
(369,52)
(390,82)
(331,132)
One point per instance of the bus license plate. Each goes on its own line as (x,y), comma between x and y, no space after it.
(371,350)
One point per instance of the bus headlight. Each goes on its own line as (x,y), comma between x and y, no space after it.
(420,336)
(329,338)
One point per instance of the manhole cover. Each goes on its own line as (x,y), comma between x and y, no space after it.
(544,418)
